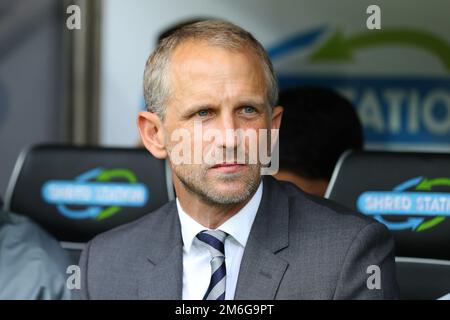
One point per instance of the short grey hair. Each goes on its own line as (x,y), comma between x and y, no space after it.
(216,33)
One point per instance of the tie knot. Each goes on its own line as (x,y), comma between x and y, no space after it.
(214,239)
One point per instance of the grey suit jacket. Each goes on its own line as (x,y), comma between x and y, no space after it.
(300,247)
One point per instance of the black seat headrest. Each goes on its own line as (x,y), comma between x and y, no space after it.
(76,193)
(408,192)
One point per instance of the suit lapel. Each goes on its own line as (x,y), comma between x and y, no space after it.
(261,270)
(162,276)
(260,274)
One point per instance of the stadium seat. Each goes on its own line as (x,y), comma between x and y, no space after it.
(76,193)
(410,194)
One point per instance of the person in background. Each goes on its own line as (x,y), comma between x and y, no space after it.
(32,264)
(318,126)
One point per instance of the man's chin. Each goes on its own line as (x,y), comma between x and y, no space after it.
(220,197)
(222,186)
(229,191)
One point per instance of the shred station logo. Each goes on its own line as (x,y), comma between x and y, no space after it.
(414,199)
(95,191)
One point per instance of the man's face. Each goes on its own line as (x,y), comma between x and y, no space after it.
(221,90)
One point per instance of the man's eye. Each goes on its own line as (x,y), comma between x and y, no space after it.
(203,113)
(248,109)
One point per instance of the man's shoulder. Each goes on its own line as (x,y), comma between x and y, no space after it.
(320,214)
(321,225)
(137,231)
(114,260)
(336,245)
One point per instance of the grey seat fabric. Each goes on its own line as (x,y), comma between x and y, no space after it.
(32,264)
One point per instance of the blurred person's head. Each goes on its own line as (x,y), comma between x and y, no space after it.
(218,75)
(318,126)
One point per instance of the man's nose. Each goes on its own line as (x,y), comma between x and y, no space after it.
(229,139)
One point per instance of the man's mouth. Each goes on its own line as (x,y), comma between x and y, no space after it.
(229,166)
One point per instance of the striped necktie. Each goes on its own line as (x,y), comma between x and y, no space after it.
(214,241)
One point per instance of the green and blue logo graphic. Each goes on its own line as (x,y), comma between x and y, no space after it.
(413,199)
(95,190)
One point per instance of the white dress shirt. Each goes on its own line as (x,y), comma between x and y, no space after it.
(196,257)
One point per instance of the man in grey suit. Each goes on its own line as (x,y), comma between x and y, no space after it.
(230,234)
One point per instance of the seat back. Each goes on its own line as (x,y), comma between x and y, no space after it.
(76,193)
(410,194)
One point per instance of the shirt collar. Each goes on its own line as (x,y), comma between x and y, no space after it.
(238,226)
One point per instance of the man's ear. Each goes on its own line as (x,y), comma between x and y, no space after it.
(152,133)
(277,113)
